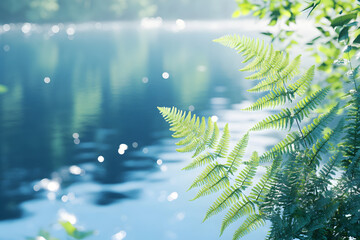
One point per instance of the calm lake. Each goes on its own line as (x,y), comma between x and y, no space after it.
(77,92)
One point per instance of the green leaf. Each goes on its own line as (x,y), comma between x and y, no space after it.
(239,209)
(223,145)
(344,34)
(74,232)
(357,39)
(235,157)
(245,177)
(69,228)
(200,161)
(251,223)
(347,48)
(342,20)
(228,197)
(211,172)
(311,5)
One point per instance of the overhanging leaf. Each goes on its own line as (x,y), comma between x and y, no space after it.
(344,34)
(342,20)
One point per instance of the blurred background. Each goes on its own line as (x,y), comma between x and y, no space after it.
(109,10)
(81,139)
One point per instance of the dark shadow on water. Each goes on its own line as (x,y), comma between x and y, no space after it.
(107,198)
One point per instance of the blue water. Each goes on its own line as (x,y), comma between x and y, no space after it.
(75,95)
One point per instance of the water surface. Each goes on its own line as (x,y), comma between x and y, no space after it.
(76,95)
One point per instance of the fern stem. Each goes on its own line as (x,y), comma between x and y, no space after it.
(297,121)
(302,135)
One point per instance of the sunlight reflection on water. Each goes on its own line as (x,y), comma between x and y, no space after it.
(107,84)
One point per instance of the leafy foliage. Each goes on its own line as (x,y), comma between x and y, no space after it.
(299,193)
(74,232)
(335,23)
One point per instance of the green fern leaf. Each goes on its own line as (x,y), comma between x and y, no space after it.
(322,144)
(231,41)
(260,190)
(311,132)
(291,70)
(249,53)
(303,83)
(289,144)
(279,74)
(215,185)
(252,223)
(200,161)
(328,170)
(285,61)
(211,172)
(280,95)
(282,120)
(228,197)
(181,126)
(257,62)
(205,139)
(303,108)
(241,208)
(235,157)
(273,59)
(247,174)
(212,143)
(269,83)
(275,98)
(191,134)
(223,146)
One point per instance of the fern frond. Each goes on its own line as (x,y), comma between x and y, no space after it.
(280,95)
(241,208)
(289,144)
(249,53)
(191,141)
(200,161)
(267,84)
(235,157)
(182,127)
(275,98)
(291,70)
(260,190)
(228,197)
(303,108)
(328,170)
(196,135)
(223,145)
(212,171)
(257,62)
(282,120)
(247,174)
(231,41)
(322,144)
(351,140)
(248,47)
(205,139)
(215,185)
(303,83)
(212,143)
(311,131)
(251,223)
(271,62)
(285,61)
